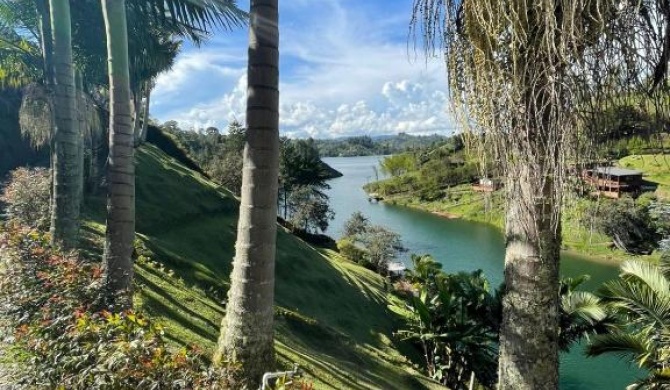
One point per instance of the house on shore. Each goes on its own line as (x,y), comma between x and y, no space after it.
(486,184)
(613,182)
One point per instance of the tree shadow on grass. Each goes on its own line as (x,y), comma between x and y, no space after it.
(350,364)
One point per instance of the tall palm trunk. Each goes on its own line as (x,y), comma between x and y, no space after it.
(66,139)
(145,114)
(44,16)
(529,330)
(247,329)
(121,169)
(81,125)
(529,353)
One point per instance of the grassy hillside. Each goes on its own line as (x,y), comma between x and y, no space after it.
(333,316)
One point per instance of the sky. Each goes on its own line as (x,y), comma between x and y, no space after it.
(347,67)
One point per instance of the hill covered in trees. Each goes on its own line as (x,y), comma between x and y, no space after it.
(375,146)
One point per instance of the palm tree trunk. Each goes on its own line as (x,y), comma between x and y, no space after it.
(145,115)
(247,329)
(81,125)
(529,330)
(136,111)
(65,152)
(120,165)
(44,12)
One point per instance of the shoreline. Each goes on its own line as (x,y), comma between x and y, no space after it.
(613,260)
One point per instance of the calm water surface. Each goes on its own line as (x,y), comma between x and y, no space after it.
(466,246)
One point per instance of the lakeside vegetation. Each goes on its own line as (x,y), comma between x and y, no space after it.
(443,180)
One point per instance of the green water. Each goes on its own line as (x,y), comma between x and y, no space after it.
(465,246)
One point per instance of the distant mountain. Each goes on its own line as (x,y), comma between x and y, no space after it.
(376,145)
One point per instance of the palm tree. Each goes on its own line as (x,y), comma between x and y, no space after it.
(185,16)
(247,329)
(121,169)
(519,72)
(66,138)
(640,301)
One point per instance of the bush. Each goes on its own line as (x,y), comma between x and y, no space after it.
(627,222)
(52,305)
(27,194)
(351,251)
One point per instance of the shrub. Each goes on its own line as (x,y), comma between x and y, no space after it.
(27,194)
(351,251)
(68,340)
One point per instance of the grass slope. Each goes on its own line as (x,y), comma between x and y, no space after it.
(333,316)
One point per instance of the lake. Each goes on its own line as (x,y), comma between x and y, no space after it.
(466,246)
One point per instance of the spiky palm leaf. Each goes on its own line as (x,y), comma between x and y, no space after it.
(640,298)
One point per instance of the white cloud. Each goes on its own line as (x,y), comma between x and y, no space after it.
(341,75)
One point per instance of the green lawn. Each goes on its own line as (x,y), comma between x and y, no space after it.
(333,317)
(656,168)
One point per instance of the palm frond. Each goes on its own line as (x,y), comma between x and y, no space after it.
(191,16)
(584,305)
(639,300)
(636,347)
(648,274)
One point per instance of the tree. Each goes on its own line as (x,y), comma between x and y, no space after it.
(355,225)
(66,138)
(519,73)
(247,329)
(382,245)
(309,210)
(640,302)
(120,164)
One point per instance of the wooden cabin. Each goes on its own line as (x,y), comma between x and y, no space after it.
(486,184)
(613,182)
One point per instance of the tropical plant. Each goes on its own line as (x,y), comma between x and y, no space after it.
(582,313)
(640,301)
(454,320)
(65,339)
(247,329)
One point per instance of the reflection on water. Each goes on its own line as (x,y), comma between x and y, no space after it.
(466,246)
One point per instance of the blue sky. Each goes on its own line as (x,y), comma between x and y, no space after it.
(346,69)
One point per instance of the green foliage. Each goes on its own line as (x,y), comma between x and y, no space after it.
(67,340)
(340,332)
(353,252)
(27,195)
(582,313)
(398,164)
(309,209)
(426,172)
(379,244)
(302,181)
(456,319)
(627,222)
(455,322)
(355,225)
(640,302)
